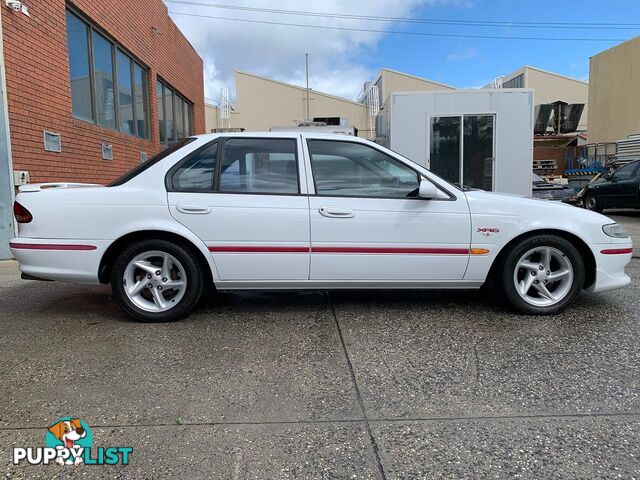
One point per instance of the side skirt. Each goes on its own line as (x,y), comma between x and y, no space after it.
(347,285)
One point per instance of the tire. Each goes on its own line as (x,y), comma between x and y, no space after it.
(161,295)
(591,203)
(562,278)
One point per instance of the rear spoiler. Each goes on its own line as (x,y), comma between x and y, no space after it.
(36,187)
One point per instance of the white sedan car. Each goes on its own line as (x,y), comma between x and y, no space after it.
(306,211)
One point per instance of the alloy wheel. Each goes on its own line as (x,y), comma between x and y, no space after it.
(543,276)
(154,281)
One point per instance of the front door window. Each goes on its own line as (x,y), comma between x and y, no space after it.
(347,169)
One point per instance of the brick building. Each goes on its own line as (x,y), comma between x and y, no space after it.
(108,84)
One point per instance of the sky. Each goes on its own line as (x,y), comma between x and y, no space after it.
(340,61)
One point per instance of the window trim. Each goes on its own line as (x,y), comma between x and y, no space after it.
(115,47)
(216,179)
(421,176)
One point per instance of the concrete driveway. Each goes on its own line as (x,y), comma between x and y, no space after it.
(326,385)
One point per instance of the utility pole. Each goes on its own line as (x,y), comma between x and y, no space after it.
(6,167)
(306,60)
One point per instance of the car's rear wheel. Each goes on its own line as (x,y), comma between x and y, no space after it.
(591,203)
(156,281)
(542,274)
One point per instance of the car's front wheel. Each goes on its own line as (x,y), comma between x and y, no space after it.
(591,203)
(156,281)
(542,274)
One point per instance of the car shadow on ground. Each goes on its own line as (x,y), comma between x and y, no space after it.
(96,304)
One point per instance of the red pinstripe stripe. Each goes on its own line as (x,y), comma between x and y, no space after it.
(392,250)
(616,251)
(50,246)
(370,250)
(251,249)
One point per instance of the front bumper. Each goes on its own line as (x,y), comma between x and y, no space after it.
(57,259)
(611,259)
(572,200)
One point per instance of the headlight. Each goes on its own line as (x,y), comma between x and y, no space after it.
(615,230)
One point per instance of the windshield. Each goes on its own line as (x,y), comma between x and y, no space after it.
(137,170)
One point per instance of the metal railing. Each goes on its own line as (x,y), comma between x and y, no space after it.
(589,158)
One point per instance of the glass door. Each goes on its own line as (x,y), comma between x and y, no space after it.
(446,148)
(462,149)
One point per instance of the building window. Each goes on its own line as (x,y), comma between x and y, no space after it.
(174,115)
(80,71)
(141,100)
(125,94)
(108,87)
(161,125)
(515,82)
(103,81)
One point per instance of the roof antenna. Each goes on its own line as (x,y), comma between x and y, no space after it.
(306,59)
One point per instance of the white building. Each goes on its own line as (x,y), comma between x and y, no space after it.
(476,138)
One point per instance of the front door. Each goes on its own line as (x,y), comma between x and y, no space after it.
(461,149)
(622,189)
(242,197)
(367,223)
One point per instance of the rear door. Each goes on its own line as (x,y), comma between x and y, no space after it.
(242,196)
(367,223)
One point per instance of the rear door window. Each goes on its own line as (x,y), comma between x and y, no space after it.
(259,165)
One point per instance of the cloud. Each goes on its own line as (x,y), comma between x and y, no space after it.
(337,58)
(463,55)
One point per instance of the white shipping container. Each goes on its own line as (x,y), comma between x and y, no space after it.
(477,138)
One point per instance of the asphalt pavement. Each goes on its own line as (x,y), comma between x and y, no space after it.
(396,384)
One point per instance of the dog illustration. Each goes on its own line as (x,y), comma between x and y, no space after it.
(68,432)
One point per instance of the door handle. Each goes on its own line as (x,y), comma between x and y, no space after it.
(336,212)
(193,208)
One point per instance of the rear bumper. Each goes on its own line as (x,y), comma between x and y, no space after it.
(611,259)
(56,259)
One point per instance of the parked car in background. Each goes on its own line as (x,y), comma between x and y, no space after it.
(291,210)
(620,189)
(552,191)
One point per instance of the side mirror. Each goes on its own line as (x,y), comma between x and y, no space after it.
(427,190)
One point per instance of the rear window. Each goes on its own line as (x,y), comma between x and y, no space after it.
(135,171)
(197,172)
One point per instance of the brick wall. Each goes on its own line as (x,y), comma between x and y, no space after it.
(547,148)
(551,153)
(39,89)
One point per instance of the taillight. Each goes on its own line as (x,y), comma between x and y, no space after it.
(22,214)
